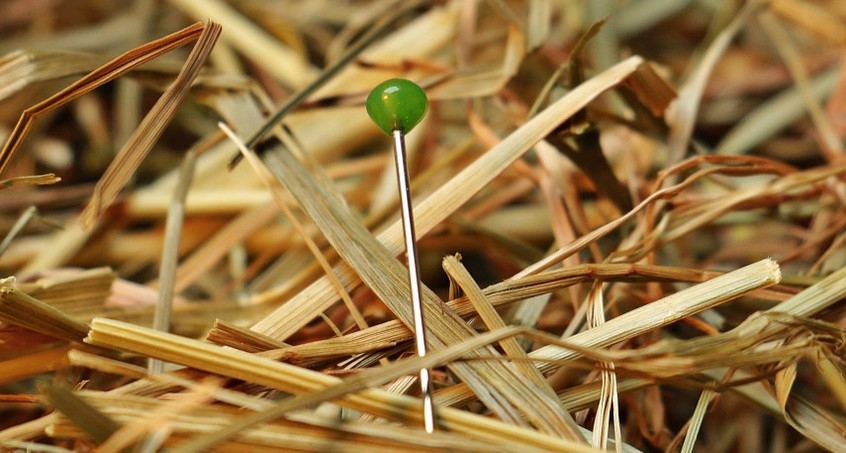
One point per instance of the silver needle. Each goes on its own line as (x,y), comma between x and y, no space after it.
(396,106)
(413,275)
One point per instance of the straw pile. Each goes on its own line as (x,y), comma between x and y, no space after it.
(630,218)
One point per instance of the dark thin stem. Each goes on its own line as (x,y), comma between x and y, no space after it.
(325,76)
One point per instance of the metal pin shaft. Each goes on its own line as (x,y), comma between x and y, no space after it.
(413,275)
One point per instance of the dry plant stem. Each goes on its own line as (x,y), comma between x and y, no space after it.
(240,365)
(713,210)
(20,68)
(23,310)
(29,430)
(696,421)
(683,114)
(809,419)
(277,59)
(29,365)
(648,317)
(110,71)
(772,116)
(609,403)
(66,243)
(33,180)
(20,224)
(160,418)
(128,94)
(780,39)
(33,447)
(212,250)
(95,423)
(77,294)
(367,379)
(806,418)
(807,303)
(833,377)
(250,339)
(170,254)
(61,246)
(319,296)
(778,186)
(152,126)
(559,71)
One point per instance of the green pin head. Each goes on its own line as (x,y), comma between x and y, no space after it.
(396,104)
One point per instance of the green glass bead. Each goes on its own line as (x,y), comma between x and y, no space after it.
(396,104)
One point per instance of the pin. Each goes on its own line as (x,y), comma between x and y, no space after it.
(396,106)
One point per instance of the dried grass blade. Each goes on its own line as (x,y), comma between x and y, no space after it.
(651,89)
(458,273)
(823,428)
(29,365)
(485,82)
(33,447)
(152,126)
(608,403)
(61,246)
(538,24)
(110,71)
(33,180)
(30,430)
(75,294)
(807,303)
(804,416)
(780,39)
(772,116)
(586,396)
(21,68)
(24,310)
(682,115)
(810,16)
(212,250)
(834,377)
(696,420)
(325,76)
(173,379)
(15,230)
(370,378)
(170,252)
(228,334)
(95,423)
(245,36)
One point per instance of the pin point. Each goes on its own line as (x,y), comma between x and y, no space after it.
(396,106)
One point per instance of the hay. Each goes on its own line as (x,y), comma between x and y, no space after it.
(631,223)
